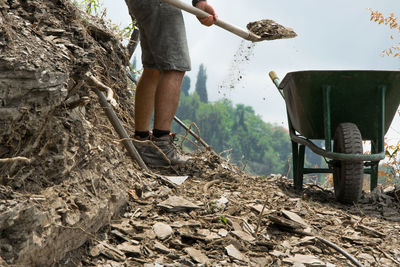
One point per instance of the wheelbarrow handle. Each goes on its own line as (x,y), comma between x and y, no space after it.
(273,75)
(247,35)
(275,79)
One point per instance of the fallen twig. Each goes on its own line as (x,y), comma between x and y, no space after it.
(15,159)
(119,128)
(395,195)
(260,217)
(342,251)
(101,86)
(291,227)
(245,165)
(93,186)
(92,236)
(388,256)
(189,131)
(209,184)
(370,231)
(320,188)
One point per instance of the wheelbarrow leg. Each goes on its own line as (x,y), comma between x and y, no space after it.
(374,175)
(378,145)
(298,152)
(374,168)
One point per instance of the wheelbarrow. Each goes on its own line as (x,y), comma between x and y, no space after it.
(344,108)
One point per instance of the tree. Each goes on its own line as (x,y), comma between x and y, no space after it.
(185,87)
(391,168)
(261,147)
(201,88)
(390,21)
(239,118)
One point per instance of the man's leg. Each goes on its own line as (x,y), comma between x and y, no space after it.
(162,151)
(167,99)
(144,98)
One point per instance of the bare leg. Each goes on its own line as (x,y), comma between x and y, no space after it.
(144,98)
(167,98)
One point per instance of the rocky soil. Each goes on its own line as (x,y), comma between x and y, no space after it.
(270,30)
(70,195)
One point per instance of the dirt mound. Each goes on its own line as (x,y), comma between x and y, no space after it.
(47,48)
(73,171)
(70,196)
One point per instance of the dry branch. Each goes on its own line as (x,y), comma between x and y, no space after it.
(102,87)
(15,159)
(294,227)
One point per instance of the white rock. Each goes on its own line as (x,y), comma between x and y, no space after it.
(212,236)
(222,232)
(161,248)
(204,232)
(197,255)
(294,217)
(178,180)
(72,217)
(277,253)
(175,203)
(233,252)
(306,260)
(243,235)
(162,230)
(128,248)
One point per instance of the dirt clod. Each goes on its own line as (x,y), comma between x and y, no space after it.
(236,72)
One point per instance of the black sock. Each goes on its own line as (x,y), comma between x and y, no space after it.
(142,134)
(158,133)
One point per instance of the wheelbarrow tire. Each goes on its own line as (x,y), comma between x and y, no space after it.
(348,175)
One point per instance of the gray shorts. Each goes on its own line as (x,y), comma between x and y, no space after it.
(162,35)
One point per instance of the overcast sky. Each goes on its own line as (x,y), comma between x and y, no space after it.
(331,35)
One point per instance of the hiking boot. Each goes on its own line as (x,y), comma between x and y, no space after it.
(160,152)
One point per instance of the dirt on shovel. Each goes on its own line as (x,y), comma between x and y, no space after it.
(270,30)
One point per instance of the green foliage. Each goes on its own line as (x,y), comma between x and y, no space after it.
(95,8)
(201,87)
(125,32)
(92,7)
(185,87)
(262,147)
(223,219)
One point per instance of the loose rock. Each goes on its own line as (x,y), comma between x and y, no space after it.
(176,204)
(162,230)
(233,252)
(197,256)
(130,250)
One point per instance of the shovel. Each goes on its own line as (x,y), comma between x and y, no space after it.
(283,32)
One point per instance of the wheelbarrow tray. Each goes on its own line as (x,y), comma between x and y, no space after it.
(355,97)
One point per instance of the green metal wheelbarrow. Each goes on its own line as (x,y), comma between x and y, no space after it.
(345,107)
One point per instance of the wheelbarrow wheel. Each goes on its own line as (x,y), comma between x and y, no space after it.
(348,175)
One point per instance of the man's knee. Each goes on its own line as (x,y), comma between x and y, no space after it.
(173,73)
